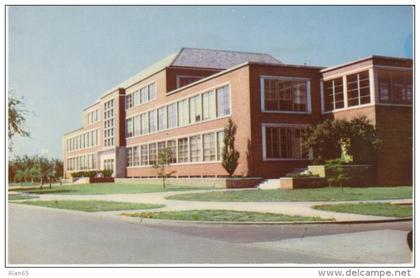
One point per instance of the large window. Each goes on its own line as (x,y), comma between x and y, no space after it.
(183,150)
(285,94)
(209,106)
(209,147)
(152,153)
(220,144)
(223,101)
(109,123)
(161,118)
(129,127)
(152,121)
(195,109)
(333,94)
(144,123)
(172,115)
(358,89)
(143,95)
(144,155)
(172,146)
(195,148)
(183,112)
(395,87)
(283,143)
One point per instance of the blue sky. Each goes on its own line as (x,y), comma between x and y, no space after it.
(61,59)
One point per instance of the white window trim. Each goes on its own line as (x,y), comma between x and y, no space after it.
(308,94)
(264,143)
(138,90)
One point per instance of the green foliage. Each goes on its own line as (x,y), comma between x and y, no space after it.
(91,174)
(163,161)
(16,118)
(333,138)
(34,168)
(336,174)
(230,154)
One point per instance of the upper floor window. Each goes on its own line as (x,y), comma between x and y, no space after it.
(285,94)
(92,117)
(183,80)
(143,95)
(223,101)
(358,89)
(209,107)
(195,109)
(395,87)
(333,94)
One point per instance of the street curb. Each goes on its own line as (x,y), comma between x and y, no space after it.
(186,222)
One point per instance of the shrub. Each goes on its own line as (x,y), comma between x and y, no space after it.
(107,172)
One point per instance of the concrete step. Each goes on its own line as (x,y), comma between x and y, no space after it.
(269,184)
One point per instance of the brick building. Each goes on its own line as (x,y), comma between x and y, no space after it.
(183,102)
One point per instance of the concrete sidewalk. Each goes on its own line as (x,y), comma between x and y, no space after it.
(290,208)
(381,246)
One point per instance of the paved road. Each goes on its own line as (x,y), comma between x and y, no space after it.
(46,236)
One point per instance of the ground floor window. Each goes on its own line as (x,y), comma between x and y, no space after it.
(283,142)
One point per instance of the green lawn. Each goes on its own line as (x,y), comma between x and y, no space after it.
(377,209)
(318,194)
(107,188)
(13,197)
(91,205)
(222,215)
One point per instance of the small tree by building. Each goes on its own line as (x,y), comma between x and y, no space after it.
(230,155)
(337,176)
(162,163)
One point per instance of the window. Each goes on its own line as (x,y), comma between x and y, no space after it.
(223,101)
(358,90)
(395,87)
(172,115)
(185,80)
(152,121)
(144,123)
(161,118)
(284,143)
(152,153)
(333,94)
(171,144)
(183,150)
(209,105)
(130,157)
(285,94)
(144,95)
(183,112)
(220,144)
(152,91)
(195,148)
(136,98)
(108,123)
(209,147)
(144,155)
(195,109)
(136,125)
(128,101)
(161,146)
(136,156)
(129,127)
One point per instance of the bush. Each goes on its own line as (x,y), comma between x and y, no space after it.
(107,172)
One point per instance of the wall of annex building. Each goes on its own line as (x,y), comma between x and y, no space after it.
(238,82)
(263,119)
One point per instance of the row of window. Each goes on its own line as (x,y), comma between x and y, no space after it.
(86,140)
(83,162)
(206,106)
(109,123)
(395,87)
(93,117)
(197,148)
(284,143)
(143,95)
(285,94)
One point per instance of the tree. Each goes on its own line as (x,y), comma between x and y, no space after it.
(162,163)
(16,118)
(337,176)
(230,154)
(330,138)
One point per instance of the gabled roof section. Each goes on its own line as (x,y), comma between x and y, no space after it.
(218,59)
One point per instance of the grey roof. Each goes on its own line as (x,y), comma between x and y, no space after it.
(218,59)
(197,57)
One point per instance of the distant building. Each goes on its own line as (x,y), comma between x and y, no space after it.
(183,102)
